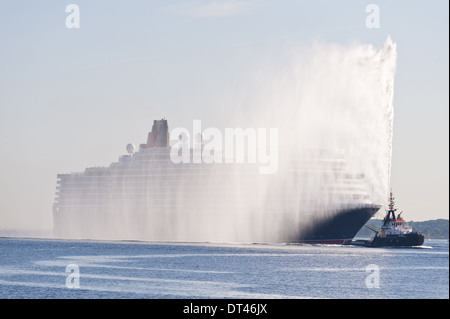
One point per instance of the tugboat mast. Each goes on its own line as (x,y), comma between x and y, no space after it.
(391,203)
(390,212)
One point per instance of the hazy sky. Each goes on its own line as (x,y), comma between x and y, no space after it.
(74,98)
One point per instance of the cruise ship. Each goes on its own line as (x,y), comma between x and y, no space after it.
(146,196)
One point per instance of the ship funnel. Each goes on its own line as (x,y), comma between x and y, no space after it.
(159,136)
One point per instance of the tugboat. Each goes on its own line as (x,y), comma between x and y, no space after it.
(395,231)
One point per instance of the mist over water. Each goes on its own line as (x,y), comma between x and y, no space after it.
(333,108)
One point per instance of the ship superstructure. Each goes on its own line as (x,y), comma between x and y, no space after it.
(146,196)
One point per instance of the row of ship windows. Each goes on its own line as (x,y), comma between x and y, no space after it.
(195,204)
(194,190)
(205,198)
(197,170)
(94,190)
(139,180)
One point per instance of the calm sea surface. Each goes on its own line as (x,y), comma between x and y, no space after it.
(41,268)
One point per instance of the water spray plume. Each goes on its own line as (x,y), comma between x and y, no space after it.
(333,108)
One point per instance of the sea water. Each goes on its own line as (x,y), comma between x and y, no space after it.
(49,268)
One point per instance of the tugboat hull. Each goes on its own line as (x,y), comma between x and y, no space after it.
(411,239)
